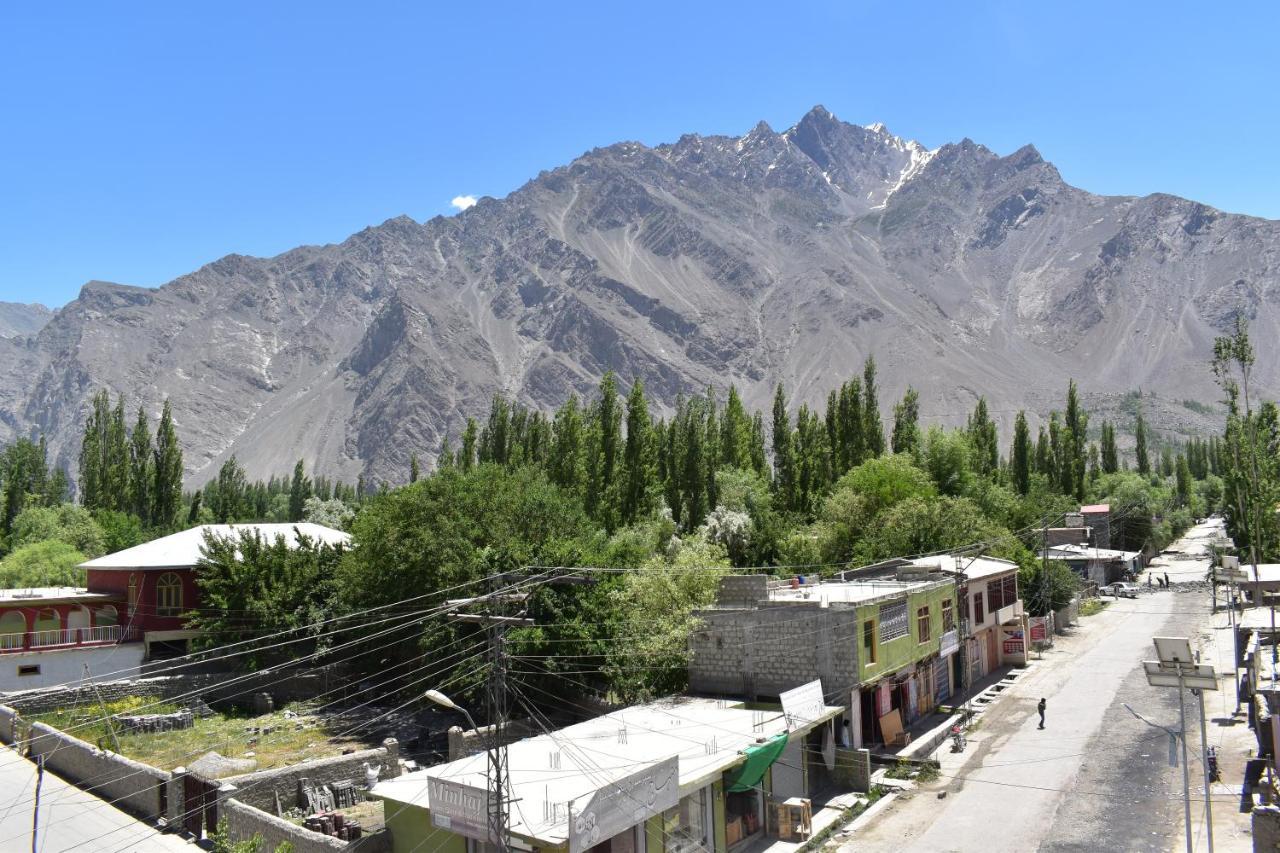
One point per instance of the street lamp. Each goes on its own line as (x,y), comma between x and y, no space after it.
(1178,668)
(445,702)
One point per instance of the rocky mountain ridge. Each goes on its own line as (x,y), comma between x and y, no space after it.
(768,257)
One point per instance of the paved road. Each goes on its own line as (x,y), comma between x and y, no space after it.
(69,817)
(1094,779)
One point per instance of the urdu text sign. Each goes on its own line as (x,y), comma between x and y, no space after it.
(622,804)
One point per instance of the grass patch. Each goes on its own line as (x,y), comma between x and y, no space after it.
(291,739)
(1093,606)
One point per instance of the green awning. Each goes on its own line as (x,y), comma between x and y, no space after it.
(759,759)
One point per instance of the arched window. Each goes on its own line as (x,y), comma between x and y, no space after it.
(169,595)
(133,592)
(105,616)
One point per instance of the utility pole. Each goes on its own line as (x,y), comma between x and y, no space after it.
(35,809)
(497,622)
(1186,771)
(1204,759)
(497,619)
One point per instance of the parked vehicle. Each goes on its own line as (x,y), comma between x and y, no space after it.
(958,741)
(1121,590)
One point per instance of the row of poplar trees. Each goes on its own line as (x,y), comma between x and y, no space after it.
(128,470)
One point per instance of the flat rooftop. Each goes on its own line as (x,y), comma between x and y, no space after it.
(974,568)
(850,592)
(549,771)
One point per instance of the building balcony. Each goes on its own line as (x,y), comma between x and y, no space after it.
(103,635)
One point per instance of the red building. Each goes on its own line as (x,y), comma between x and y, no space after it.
(135,600)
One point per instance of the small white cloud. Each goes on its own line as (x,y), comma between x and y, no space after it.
(462,202)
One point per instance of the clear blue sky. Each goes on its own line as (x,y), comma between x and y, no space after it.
(138,142)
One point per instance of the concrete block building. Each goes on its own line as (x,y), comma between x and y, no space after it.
(878,643)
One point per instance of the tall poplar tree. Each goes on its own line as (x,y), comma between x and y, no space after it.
(1142,460)
(299,491)
(1020,455)
(92,451)
(784,466)
(1110,455)
(635,457)
(167,470)
(735,433)
(141,468)
(906,423)
(872,427)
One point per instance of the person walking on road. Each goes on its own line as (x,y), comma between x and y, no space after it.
(1040,708)
(1166,580)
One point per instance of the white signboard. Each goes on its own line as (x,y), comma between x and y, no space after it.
(803,704)
(459,808)
(950,643)
(620,805)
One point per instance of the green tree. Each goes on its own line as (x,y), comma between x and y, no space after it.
(467,453)
(566,440)
(1110,453)
(983,441)
(92,448)
(656,607)
(784,463)
(906,423)
(67,523)
(1020,455)
(227,495)
(49,562)
(250,584)
(415,468)
(1141,460)
(872,428)
(299,491)
(735,433)
(636,455)
(166,497)
(141,467)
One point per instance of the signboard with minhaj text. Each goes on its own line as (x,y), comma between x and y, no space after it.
(624,803)
(459,808)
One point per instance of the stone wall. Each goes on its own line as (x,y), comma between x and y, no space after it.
(767,650)
(259,789)
(133,786)
(464,742)
(244,822)
(8,724)
(211,687)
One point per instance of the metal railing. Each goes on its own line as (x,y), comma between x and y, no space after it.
(60,637)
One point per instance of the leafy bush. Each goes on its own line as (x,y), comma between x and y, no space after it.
(47,563)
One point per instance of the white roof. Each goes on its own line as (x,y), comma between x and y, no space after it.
(182,550)
(1091,553)
(707,735)
(974,568)
(33,595)
(847,592)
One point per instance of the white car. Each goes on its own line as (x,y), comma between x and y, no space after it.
(1121,590)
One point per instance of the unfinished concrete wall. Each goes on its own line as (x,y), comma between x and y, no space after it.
(259,789)
(742,590)
(135,787)
(773,648)
(1266,828)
